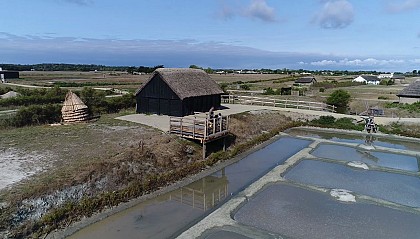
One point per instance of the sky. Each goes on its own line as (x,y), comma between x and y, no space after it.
(382,35)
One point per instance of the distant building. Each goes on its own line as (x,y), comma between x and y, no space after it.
(369,80)
(411,93)
(392,76)
(4,75)
(178,92)
(305,81)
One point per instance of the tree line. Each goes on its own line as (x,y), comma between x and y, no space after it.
(77,67)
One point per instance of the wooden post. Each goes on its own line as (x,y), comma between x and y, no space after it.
(180,123)
(204,150)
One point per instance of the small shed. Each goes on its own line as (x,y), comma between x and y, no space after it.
(74,110)
(4,75)
(308,80)
(178,92)
(411,93)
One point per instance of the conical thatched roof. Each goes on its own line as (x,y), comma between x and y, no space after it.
(186,82)
(74,110)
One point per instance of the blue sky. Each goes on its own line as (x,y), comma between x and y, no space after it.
(381,35)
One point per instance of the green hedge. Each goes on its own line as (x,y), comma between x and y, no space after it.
(34,115)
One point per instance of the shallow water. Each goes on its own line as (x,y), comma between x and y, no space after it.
(169,214)
(397,188)
(358,139)
(298,213)
(225,235)
(388,160)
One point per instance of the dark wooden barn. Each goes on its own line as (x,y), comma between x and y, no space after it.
(4,75)
(178,92)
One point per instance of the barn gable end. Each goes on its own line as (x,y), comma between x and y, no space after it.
(178,92)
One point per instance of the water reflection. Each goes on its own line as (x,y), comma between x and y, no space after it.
(204,193)
(369,140)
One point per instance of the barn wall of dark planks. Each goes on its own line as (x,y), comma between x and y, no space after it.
(158,98)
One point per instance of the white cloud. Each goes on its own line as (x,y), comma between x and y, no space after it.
(402,6)
(259,9)
(335,14)
(358,62)
(416,61)
(256,9)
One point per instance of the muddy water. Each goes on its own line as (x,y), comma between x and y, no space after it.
(388,160)
(171,213)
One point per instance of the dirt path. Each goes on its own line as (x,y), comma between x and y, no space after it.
(27,86)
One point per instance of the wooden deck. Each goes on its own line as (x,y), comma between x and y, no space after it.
(266,101)
(198,128)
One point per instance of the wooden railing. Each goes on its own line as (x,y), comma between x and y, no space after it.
(266,101)
(200,128)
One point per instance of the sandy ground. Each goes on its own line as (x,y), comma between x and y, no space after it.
(162,121)
(16,165)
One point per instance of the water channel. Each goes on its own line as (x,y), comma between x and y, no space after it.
(292,207)
(171,213)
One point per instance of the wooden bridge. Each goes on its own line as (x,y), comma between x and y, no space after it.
(266,101)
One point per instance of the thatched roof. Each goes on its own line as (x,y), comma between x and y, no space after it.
(186,82)
(412,91)
(306,80)
(74,110)
(72,102)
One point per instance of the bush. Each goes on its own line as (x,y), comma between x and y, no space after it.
(321,89)
(340,99)
(271,91)
(35,115)
(245,87)
(37,96)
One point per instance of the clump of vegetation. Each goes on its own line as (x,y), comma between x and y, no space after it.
(340,99)
(271,91)
(35,97)
(335,84)
(383,98)
(412,108)
(86,84)
(332,122)
(34,115)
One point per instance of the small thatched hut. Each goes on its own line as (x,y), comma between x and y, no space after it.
(178,92)
(411,93)
(74,110)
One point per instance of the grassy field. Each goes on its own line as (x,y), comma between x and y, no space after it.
(108,155)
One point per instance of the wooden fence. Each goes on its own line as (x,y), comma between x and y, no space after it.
(266,101)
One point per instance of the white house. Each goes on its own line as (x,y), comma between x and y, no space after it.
(369,80)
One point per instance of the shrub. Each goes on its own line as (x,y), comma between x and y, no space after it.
(35,115)
(340,99)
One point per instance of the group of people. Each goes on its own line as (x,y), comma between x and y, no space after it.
(370,125)
(211,114)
